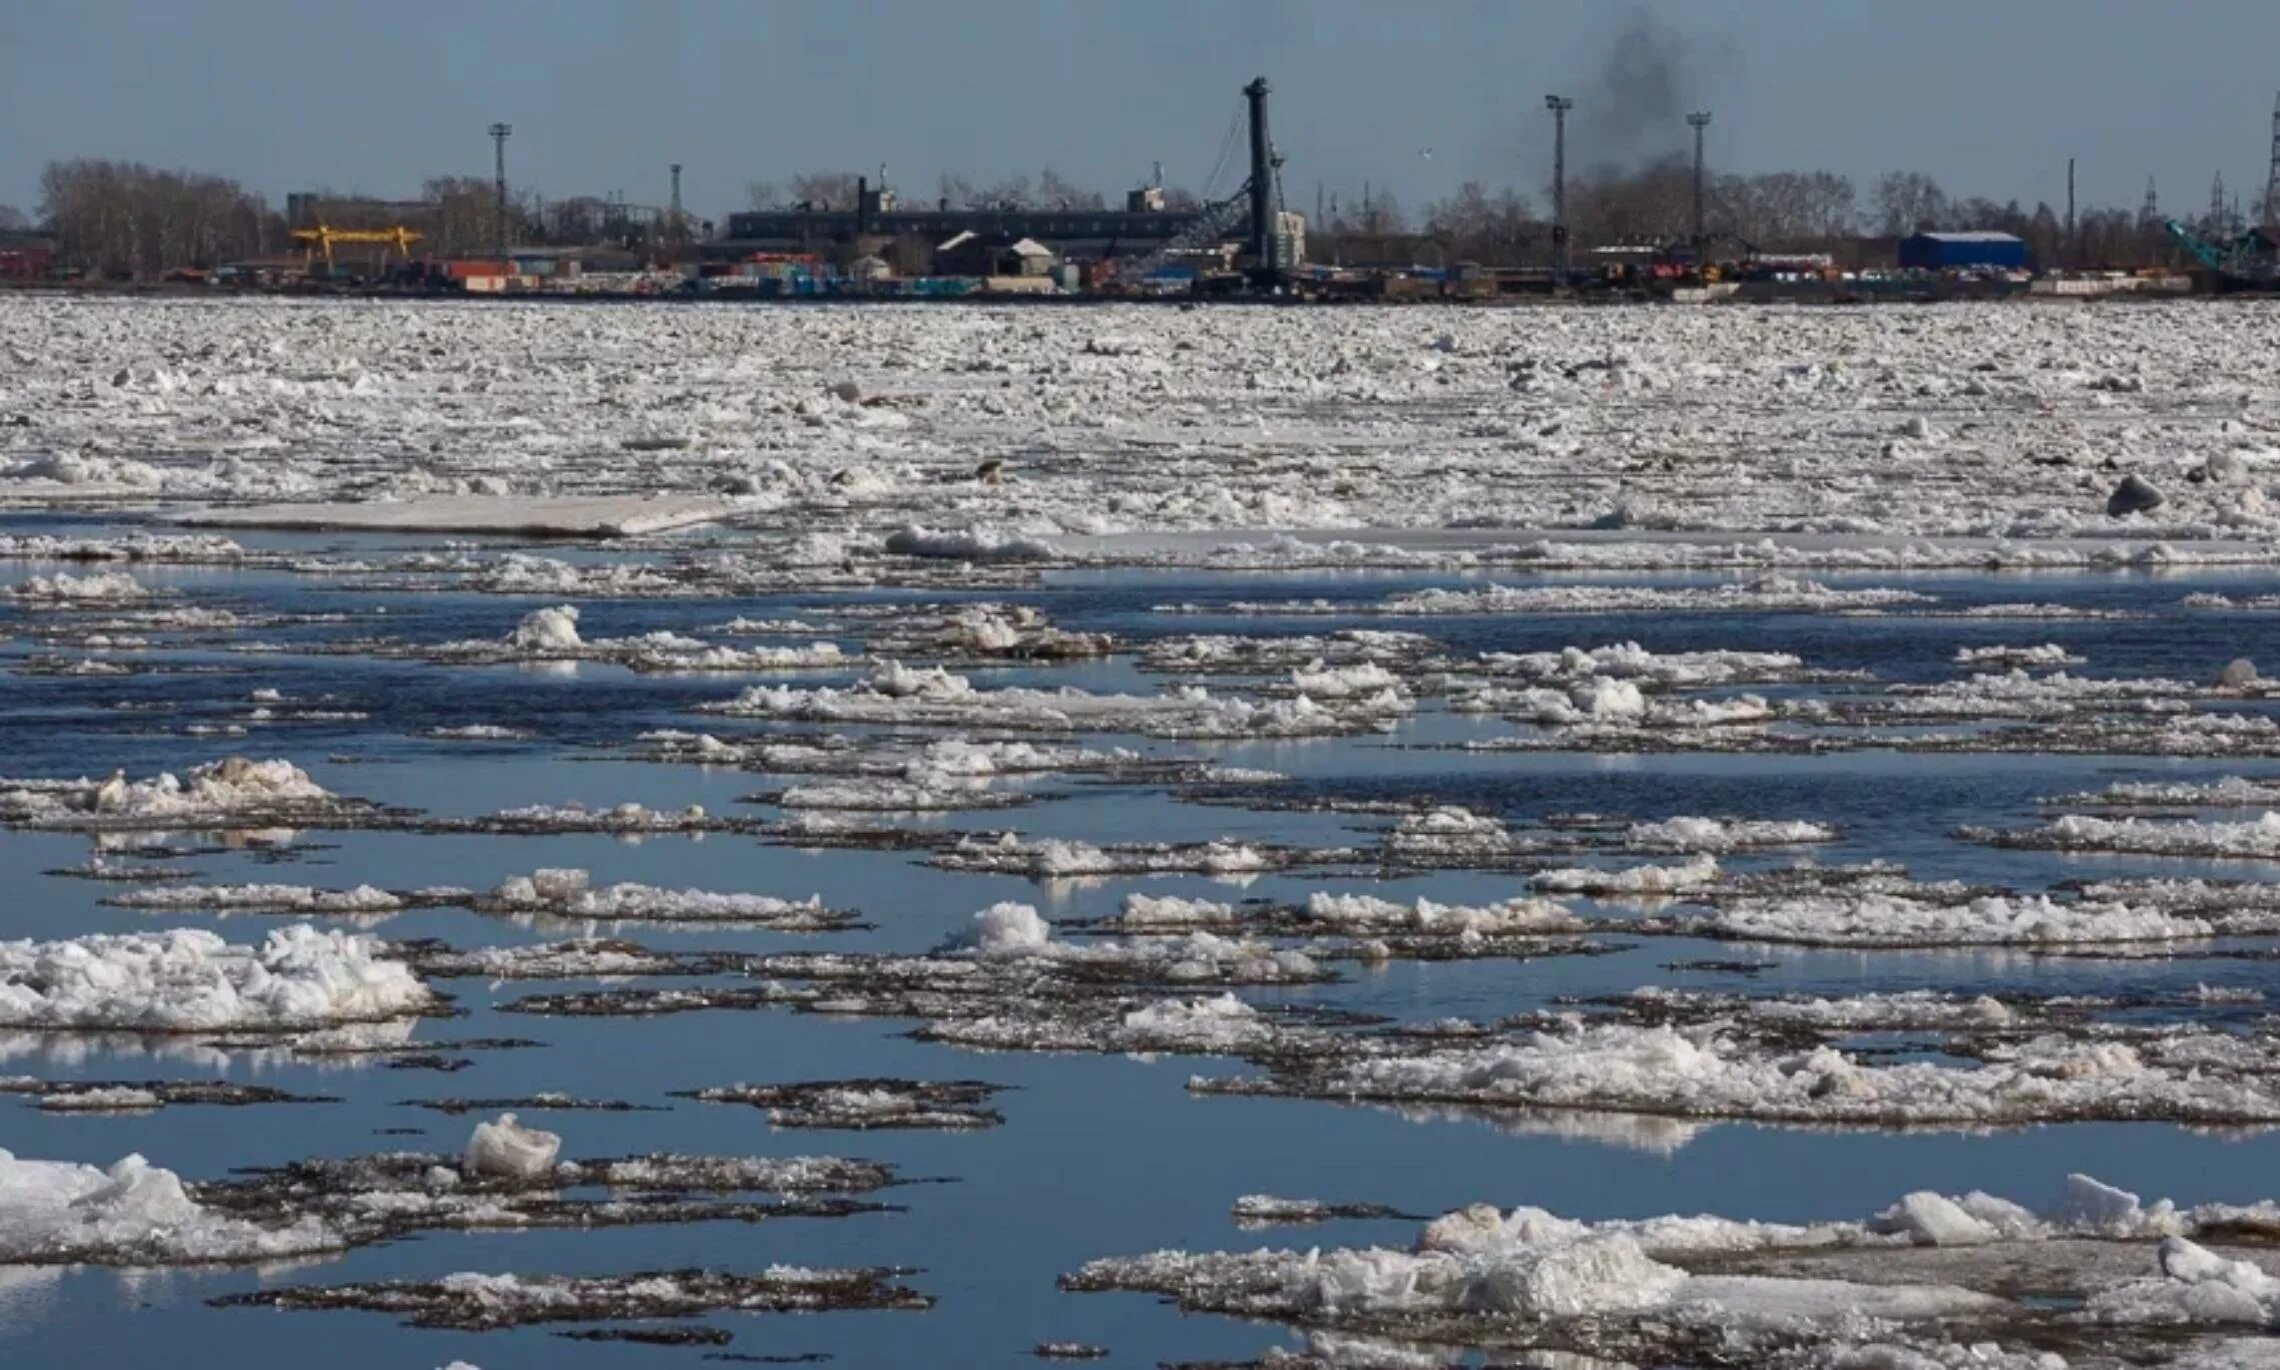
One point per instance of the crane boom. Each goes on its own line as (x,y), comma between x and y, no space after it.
(324,237)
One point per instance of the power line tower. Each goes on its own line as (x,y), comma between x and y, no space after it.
(2272,181)
(673,228)
(1559,105)
(2150,212)
(2217,204)
(499,133)
(1699,121)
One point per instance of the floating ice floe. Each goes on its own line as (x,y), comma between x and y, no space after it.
(1686,877)
(1716,836)
(2230,792)
(2253,839)
(97,589)
(1054,858)
(233,792)
(1707,1073)
(933,697)
(1884,1293)
(144,1096)
(265,898)
(192,981)
(552,634)
(572,894)
(134,1213)
(482,1303)
(1765,595)
(2046,656)
(866,1105)
(176,549)
(1875,919)
(1629,661)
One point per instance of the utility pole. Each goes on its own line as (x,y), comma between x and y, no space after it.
(1699,121)
(2067,253)
(1559,105)
(499,134)
(2272,182)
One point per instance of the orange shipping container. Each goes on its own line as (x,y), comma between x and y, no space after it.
(462,270)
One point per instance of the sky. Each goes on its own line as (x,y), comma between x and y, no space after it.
(1990,97)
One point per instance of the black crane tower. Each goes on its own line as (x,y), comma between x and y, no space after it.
(1265,250)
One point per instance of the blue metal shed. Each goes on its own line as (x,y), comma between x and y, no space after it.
(1949,251)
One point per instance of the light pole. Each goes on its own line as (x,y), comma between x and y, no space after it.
(1700,120)
(1559,105)
(499,134)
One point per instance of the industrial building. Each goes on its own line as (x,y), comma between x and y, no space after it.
(1144,232)
(1097,233)
(1963,251)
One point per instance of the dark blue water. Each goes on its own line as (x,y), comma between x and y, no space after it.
(1099,1155)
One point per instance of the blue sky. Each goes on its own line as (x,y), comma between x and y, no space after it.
(1990,97)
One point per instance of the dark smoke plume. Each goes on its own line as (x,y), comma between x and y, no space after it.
(1634,111)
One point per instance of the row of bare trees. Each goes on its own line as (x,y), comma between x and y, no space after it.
(127,219)
(1783,211)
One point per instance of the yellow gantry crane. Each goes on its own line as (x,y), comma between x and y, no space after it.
(323,237)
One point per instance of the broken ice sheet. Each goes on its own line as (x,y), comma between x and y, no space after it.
(1926,1273)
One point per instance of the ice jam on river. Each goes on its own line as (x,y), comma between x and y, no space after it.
(1350,838)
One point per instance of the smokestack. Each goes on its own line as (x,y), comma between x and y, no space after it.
(1559,105)
(1263,245)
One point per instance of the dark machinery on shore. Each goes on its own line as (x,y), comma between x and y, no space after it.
(1258,200)
(2250,260)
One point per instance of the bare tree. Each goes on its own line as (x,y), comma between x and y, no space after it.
(1055,192)
(13,220)
(124,219)
(763,196)
(825,189)
(1904,202)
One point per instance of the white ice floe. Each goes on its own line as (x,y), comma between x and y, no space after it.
(506,1149)
(265,898)
(613,516)
(2048,655)
(233,788)
(1696,874)
(1634,1286)
(933,697)
(1707,1073)
(1630,661)
(1367,914)
(1012,932)
(572,894)
(96,589)
(2253,839)
(1893,920)
(1715,836)
(1056,858)
(1764,595)
(2230,792)
(191,980)
(134,1213)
